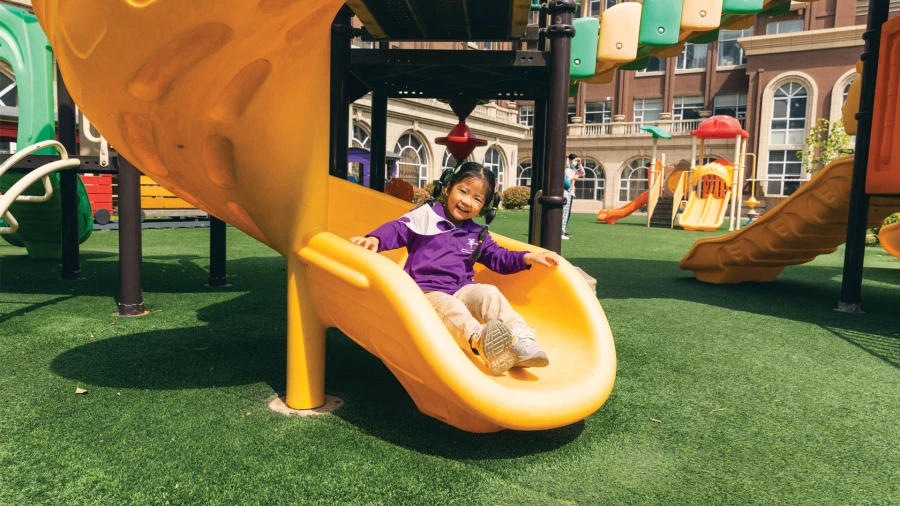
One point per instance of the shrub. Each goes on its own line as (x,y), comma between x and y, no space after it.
(420,195)
(515,197)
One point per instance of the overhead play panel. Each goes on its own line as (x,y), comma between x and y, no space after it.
(443,19)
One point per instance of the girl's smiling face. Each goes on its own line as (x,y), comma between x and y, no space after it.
(466,199)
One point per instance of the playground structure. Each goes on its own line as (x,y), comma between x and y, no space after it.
(648,198)
(814,220)
(715,188)
(217,79)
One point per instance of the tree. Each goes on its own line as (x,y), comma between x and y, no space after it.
(826,142)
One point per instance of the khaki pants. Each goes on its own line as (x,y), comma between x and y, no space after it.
(464,312)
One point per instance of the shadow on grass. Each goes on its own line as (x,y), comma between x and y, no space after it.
(243,342)
(808,294)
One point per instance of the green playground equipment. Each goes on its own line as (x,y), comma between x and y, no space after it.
(25,48)
(733,7)
(660,22)
(584,48)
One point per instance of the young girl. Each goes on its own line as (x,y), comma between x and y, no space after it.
(444,244)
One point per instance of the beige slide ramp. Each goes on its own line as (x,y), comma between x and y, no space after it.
(811,222)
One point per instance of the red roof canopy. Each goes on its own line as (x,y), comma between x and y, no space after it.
(720,127)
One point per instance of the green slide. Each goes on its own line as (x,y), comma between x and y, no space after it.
(25,48)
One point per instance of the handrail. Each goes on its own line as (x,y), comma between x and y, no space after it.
(104,145)
(679,195)
(655,188)
(14,194)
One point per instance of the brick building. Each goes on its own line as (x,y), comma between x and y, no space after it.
(778,77)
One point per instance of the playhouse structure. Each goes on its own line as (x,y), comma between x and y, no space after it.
(224,105)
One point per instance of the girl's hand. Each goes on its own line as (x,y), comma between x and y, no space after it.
(547,258)
(370,243)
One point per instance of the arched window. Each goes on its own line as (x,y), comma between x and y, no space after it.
(450,162)
(789,115)
(494,161)
(633,181)
(785,169)
(360,137)
(846,92)
(523,173)
(413,163)
(593,185)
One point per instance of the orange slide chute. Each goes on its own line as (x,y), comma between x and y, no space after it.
(889,237)
(611,216)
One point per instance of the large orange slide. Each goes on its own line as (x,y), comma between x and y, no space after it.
(811,222)
(611,216)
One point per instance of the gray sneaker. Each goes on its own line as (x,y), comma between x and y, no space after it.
(494,346)
(528,353)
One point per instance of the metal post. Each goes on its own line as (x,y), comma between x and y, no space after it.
(340,105)
(68,184)
(538,161)
(217,257)
(560,32)
(851,283)
(131,302)
(378,141)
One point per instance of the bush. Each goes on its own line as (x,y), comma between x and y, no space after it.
(420,195)
(516,197)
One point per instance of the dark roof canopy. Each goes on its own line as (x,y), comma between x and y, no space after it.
(467,20)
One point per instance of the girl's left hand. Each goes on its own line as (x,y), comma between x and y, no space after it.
(546,258)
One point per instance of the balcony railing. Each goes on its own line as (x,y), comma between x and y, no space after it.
(631,129)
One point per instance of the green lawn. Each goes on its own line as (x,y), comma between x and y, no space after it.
(749,394)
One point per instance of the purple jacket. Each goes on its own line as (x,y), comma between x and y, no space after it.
(439,251)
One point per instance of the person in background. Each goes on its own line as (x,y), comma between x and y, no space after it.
(574,171)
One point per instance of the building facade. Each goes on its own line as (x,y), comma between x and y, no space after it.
(778,78)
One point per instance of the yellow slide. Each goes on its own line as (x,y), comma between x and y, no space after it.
(811,222)
(226,105)
(704,213)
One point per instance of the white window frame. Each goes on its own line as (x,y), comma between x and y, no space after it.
(731,36)
(523,173)
(526,115)
(735,101)
(777,181)
(779,24)
(639,113)
(604,111)
(682,61)
(626,188)
(591,182)
(355,142)
(680,104)
(495,164)
(790,94)
(645,72)
(421,153)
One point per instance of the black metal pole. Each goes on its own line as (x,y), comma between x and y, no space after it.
(68,184)
(560,32)
(217,257)
(538,160)
(341,30)
(131,302)
(851,281)
(378,142)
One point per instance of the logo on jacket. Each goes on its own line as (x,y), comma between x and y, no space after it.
(471,245)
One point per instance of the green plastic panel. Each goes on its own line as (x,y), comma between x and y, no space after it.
(705,38)
(778,11)
(742,6)
(636,64)
(584,48)
(656,132)
(660,22)
(25,48)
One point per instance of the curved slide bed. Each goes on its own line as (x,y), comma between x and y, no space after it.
(224,104)
(811,222)
(610,217)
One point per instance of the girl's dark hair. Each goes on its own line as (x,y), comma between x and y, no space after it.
(471,170)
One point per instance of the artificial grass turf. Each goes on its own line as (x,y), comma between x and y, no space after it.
(763,393)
